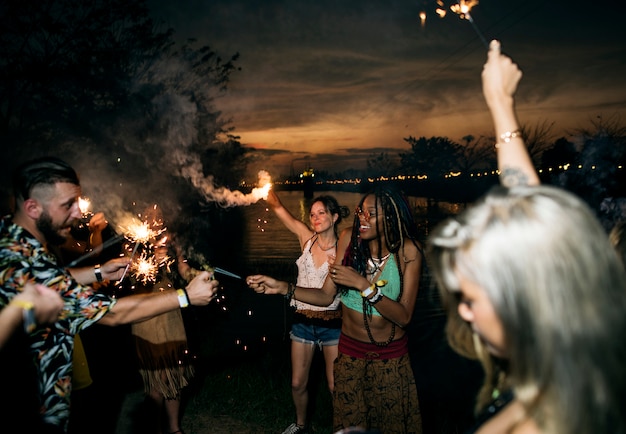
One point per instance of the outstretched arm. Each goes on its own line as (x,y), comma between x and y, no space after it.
(133,308)
(500,77)
(302,231)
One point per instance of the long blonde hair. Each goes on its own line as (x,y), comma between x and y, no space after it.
(559,290)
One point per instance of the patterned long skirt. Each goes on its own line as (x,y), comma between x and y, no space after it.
(376,395)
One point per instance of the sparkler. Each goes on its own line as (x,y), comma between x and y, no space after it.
(462,8)
(226,273)
(84,203)
(146,267)
(264,185)
(141,233)
(106,244)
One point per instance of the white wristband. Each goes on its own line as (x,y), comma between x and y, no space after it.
(183,301)
(368,291)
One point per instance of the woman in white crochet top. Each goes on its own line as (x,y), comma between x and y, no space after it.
(312,325)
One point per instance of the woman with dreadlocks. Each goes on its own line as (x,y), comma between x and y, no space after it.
(378,280)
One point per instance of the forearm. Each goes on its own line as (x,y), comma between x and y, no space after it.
(136,308)
(514,162)
(394,311)
(313,296)
(84,275)
(10,321)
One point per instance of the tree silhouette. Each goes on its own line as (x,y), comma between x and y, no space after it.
(381,164)
(538,138)
(476,154)
(433,157)
(601,180)
(98,83)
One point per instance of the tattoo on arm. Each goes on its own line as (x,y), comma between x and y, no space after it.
(512,177)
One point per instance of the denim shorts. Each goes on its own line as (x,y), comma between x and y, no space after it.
(314,335)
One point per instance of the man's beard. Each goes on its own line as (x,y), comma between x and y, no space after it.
(48,230)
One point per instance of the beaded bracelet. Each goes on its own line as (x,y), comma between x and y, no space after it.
(507,136)
(290,291)
(377,297)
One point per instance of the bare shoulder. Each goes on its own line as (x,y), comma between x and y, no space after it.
(344,238)
(411,252)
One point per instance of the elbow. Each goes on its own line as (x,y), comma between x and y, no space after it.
(404,321)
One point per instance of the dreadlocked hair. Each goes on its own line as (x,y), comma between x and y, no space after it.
(398,225)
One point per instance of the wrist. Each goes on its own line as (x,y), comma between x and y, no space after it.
(98,272)
(369,291)
(183,298)
(28,314)
(291,290)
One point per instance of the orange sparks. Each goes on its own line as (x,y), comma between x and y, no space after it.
(141,232)
(84,203)
(463,8)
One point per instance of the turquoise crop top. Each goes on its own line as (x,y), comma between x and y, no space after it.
(390,273)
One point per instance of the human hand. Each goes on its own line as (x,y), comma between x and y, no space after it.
(202,289)
(272,199)
(97,223)
(500,77)
(267,285)
(47,302)
(115,268)
(347,276)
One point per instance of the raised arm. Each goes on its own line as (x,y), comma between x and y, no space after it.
(297,227)
(500,77)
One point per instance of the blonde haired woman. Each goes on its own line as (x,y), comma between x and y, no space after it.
(534,289)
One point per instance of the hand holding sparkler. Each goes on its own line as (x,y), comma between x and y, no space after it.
(262,284)
(113,269)
(202,289)
(500,78)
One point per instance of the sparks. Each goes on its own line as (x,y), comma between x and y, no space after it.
(141,232)
(264,185)
(463,8)
(84,203)
(146,267)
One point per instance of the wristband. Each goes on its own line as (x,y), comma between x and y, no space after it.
(183,300)
(368,291)
(373,288)
(98,272)
(377,297)
(28,314)
(290,291)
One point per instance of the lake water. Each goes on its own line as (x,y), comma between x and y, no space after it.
(269,239)
(267,236)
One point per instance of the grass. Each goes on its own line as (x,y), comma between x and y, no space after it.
(248,379)
(258,393)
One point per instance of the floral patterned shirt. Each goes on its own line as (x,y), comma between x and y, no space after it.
(24,259)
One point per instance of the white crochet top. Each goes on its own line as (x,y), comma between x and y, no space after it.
(309,276)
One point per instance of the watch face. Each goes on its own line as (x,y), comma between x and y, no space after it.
(29,320)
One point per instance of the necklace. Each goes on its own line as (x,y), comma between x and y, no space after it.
(325,249)
(377,265)
(369,332)
(374,265)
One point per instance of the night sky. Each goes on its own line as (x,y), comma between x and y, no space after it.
(324,78)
